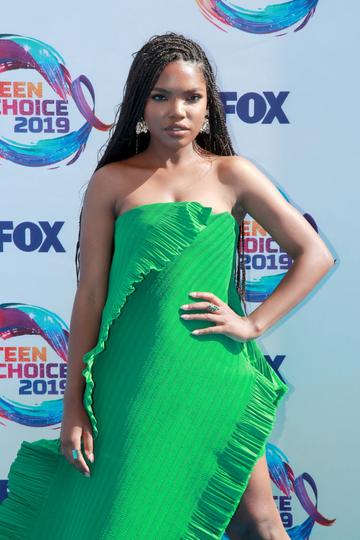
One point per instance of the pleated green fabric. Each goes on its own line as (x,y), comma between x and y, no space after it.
(179,420)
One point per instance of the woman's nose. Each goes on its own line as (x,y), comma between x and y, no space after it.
(177,109)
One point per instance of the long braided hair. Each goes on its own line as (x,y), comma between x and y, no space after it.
(123,142)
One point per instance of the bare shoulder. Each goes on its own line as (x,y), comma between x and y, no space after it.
(102,178)
(248,181)
(110,180)
(236,171)
(105,175)
(233,172)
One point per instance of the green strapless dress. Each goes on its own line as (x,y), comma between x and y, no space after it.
(178,420)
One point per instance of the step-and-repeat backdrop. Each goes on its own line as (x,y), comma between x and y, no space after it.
(287,75)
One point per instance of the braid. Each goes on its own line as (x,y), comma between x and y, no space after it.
(241,289)
(145,70)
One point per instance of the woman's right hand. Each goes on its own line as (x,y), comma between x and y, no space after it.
(76,428)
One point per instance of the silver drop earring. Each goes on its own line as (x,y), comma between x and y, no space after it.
(141,127)
(205,128)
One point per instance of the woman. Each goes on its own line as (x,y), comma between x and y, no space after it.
(176,400)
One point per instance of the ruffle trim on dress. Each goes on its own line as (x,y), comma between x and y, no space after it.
(174,229)
(219,500)
(29,480)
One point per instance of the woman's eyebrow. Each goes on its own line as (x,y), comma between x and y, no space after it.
(158,89)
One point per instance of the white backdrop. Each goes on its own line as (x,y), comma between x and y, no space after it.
(307,149)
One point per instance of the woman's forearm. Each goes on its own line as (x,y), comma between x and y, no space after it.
(306,271)
(84,331)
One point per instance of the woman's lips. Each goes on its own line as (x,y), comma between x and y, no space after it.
(176,132)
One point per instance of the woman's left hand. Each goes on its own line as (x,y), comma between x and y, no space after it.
(226,321)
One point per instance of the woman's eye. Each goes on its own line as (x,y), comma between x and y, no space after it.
(154,96)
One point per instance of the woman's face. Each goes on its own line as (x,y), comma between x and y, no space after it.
(178,97)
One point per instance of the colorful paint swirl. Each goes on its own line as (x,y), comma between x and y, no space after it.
(19,52)
(267,20)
